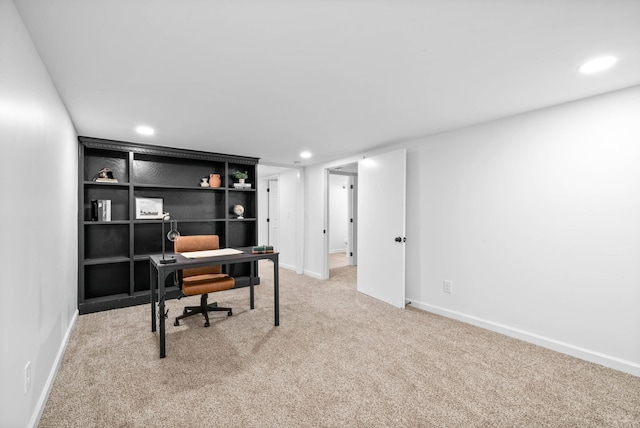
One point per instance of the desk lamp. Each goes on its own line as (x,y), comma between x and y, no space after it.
(172,235)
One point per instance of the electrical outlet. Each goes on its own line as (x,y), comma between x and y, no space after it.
(447,286)
(27,377)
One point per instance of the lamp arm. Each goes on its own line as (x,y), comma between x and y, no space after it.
(165,217)
(162,235)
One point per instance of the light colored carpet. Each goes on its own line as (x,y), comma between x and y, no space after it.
(337,260)
(338,359)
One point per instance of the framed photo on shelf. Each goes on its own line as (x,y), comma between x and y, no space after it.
(149,208)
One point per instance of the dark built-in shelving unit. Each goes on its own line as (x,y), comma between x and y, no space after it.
(113,256)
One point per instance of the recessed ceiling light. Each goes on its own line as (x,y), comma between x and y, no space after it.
(305,155)
(598,64)
(145,130)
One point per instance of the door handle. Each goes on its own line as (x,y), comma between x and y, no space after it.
(400,239)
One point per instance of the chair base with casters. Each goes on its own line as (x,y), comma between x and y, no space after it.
(203,309)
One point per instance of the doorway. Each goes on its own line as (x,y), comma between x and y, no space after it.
(342,218)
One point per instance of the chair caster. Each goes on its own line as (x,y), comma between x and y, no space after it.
(206,324)
(229,313)
(176,323)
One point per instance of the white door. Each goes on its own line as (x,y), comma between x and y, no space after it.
(274,214)
(381,226)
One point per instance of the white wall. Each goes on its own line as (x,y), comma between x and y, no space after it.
(37,222)
(263,211)
(535,219)
(314,220)
(290,225)
(338,213)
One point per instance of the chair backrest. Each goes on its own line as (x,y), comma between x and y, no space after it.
(197,243)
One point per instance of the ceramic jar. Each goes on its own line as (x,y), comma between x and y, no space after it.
(214,180)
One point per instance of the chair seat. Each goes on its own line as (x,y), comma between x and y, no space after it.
(208,283)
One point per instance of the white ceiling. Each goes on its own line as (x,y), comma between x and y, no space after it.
(270,78)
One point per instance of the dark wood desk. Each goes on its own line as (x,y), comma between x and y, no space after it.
(158,273)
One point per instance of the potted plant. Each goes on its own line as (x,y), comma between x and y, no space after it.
(240,175)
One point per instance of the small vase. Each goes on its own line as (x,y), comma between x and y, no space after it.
(214,180)
(241,180)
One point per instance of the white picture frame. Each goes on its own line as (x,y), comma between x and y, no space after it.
(149,208)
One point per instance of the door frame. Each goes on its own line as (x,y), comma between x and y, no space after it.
(327,210)
(270,239)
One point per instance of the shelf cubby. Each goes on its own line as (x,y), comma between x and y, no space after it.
(106,279)
(175,171)
(115,158)
(104,240)
(118,194)
(187,204)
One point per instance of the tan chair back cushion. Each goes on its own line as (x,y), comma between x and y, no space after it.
(198,243)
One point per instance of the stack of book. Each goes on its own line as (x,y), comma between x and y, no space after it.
(101,210)
(262,249)
(242,185)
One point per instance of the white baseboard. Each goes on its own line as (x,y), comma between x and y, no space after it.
(313,274)
(287,266)
(291,267)
(44,396)
(565,348)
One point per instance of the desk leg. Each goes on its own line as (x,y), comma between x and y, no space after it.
(251,292)
(161,312)
(153,282)
(276,291)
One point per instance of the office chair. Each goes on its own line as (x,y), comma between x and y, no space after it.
(202,280)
